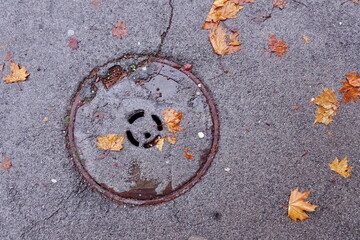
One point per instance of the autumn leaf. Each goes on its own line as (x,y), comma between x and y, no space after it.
(279,3)
(172,119)
(341,167)
(220,10)
(328,106)
(119,29)
(6,164)
(353,79)
(95,3)
(306,39)
(187,154)
(277,46)
(242,2)
(218,39)
(297,206)
(171,140)
(349,91)
(160,143)
(17,74)
(73,43)
(111,142)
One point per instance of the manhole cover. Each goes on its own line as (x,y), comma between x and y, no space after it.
(129,97)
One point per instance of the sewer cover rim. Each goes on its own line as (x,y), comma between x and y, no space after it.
(113,195)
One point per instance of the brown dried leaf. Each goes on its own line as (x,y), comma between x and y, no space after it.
(95,3)
(111,142)
(353,79)
(341,167)
(17,74)
(220,10)
(6,164)
(277,46)
(328,106)
(119,29)
(172,119)
(297,206)
(279,3)
(349,91)
(218,39)
(187,154)
(171,140)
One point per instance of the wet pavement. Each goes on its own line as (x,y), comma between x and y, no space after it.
(266,146)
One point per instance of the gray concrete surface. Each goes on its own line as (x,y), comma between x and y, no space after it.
(262,136)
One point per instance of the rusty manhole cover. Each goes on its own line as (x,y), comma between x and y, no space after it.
(128,96)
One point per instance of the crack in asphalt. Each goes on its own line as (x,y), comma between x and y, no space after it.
(163,35)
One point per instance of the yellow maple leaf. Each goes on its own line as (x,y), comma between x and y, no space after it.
(297,206)
(172,119)
(160,143)
(220,10)
(218,39)
(341,167)
(328,106)
(17,73)
(111,142)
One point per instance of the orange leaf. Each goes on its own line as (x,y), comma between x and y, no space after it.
(350,92)
(306,39)
(277,46)
(353,79)
(111,142)
(341,167)
(218,39)
(220,10)
(242,2)
(6,164)
(171,140)
(297,206)
(187,154)
(328,106)
(119,29)
(172,119)
(17,74)
(279,3)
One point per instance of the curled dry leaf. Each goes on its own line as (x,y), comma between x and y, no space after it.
(187,154)
(328,106)
(17,73)
(297,206)
(349,88)
(111,142)
(6,164)
(220,10)
(171,140)
(219,41)
(279,3)
(353,79)
(172,119)
(119,29)
(341,167)
(277,46)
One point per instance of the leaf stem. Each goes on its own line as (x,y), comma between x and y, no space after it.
(20,89)
(221,64)
(105,155)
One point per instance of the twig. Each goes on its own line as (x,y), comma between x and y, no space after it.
(221,65)
(107,153)
(282,206)
(302,3)
(229,28)
(19,86)
(345,2)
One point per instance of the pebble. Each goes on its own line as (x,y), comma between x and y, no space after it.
(227,169)
(201,135)
(199,85)
(70,32)
(53,180)
(198,93)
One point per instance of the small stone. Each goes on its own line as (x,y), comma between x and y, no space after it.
(227,169)
(198,93)
(167,162)
(45,120)
(199,85)
(70,32)
(139,43)
(144,69)
(201,135)
(53,180)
